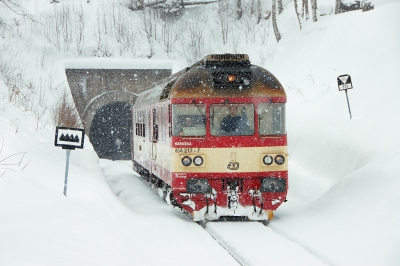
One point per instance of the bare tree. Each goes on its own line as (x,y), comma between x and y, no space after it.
(79,28)
(169,34)
(314,10)
(304,9)
(224,16)
(15,7)
(252,7)
(64,112)
(337,6)
(297,12)
(274,24)
(148,28)
(192,40)
(280,7)
(259,11)
(239,10)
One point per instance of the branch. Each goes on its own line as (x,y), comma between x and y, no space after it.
(10,157)
(24,15)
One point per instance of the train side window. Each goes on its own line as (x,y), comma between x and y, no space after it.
(155,125)
(188,120)
(271,119)
(147,123)
(140,119)
(169,121)
(163,123)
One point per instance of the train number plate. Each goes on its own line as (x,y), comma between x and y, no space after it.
(187,150)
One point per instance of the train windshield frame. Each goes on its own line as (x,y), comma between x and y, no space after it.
(188,120)
(232,119)
(271,119)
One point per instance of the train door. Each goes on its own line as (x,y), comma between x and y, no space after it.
(154,135)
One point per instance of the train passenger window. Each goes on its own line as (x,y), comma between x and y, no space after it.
(163,124)
(188,120)
(271,119)
(155,126)
(232,119)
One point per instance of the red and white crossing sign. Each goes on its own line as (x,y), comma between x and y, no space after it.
(344,82)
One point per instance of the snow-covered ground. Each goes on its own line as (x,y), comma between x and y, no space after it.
(343,204)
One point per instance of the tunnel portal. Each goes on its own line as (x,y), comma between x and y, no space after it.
(110,131)
(103,98)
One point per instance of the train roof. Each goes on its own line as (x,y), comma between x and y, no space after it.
(208,78)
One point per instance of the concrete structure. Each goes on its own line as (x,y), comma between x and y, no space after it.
(103,98)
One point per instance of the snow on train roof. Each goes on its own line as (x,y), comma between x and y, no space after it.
(152,95)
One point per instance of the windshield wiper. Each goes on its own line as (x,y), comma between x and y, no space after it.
(219,108)
(200,112)
(264,113)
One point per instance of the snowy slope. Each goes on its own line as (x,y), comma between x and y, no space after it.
(344,172)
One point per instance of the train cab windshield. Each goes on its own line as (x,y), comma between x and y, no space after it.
(228,119)
(271,119)
(231,119)
(188,120)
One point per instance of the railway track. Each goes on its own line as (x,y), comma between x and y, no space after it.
(252,243)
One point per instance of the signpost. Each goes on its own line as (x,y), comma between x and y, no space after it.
(344,83)
(69,139)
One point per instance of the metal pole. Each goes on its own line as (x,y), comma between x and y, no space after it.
(66,172)
(348,104)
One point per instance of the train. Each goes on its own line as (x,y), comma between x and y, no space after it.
(212,139)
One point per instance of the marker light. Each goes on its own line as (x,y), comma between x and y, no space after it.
(268,159)
(231,78)
(279,159)
(186,161)
(198,160)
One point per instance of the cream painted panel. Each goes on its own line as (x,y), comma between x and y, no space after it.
(217,160)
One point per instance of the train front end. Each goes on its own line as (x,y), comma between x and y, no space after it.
(229,144)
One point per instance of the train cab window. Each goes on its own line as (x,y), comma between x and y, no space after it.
(232,119)
(271,119)
(188,120)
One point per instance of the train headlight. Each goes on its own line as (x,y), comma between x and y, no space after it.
(231,78)
(279,159)
(198,160)
(186,160)
(273,184)
(197,186)
(267,159)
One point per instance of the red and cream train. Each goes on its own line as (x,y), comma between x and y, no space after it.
(182,146)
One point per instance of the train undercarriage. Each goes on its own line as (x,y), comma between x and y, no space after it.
(216,205)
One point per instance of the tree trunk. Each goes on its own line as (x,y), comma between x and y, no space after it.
(280,7)
(304,10)
(337,7)
(297,12)
(259,11)
(239,10)
(275,26)
(314,10)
